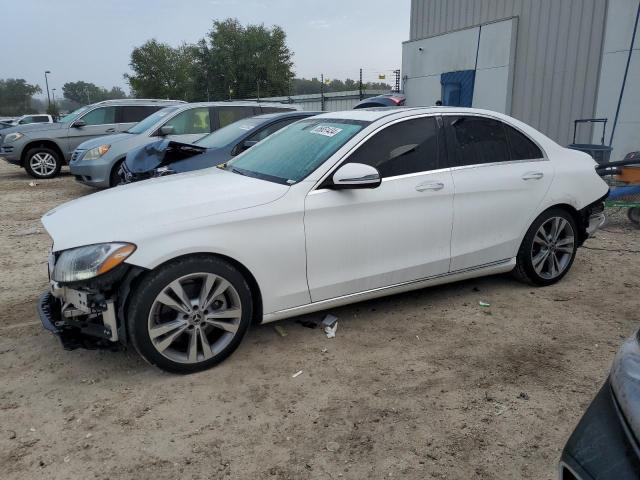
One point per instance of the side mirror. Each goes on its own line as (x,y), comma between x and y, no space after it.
(79,124)
(356,175)
(166,130)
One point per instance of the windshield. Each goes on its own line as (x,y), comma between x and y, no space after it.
(151,120)
(229,134)
(73,115)
(292,153)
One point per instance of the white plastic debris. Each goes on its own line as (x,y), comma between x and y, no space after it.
(330,324)
(32,184)
(297,374)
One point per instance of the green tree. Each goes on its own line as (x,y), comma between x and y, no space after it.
(16,95)
(161,71)
(84,92)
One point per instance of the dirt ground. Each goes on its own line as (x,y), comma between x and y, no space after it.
(421,385)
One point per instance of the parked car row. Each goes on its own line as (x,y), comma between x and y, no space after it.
(42,148)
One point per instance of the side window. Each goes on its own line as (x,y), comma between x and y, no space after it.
(135,113)
(477,140)
(194,120)
(520,146)
(40,119)
(274,127)
(227,115)
(26,120)
(100,116)
(406,147)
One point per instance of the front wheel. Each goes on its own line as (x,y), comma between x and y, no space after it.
(548,249)
(190,314)
(42,163)
(633,214)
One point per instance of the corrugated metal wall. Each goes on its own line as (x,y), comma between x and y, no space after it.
(558,53)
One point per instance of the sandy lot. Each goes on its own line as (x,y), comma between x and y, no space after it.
(420,385)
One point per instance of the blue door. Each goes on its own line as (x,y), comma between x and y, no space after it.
(457,88)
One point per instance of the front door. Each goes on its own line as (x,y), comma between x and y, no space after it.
(99,121)
(364,239)
(500,179)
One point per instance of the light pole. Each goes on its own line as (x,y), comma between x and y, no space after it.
(53,92)
(46,80)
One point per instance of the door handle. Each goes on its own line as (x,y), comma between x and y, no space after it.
(532,176)
(433,186)
(110,130)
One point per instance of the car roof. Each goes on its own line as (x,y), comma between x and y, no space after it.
(287,114)
(376,113)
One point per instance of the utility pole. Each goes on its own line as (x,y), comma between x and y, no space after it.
(53,91)
(397,74)
(46,80)
(360,85)
(322,92)
(258,84)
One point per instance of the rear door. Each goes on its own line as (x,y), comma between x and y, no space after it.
(128,115)
(500,178)
(98,122)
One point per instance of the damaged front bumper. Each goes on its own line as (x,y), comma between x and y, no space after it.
(79,319)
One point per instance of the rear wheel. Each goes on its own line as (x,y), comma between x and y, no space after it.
(548,249)
(41,163)
(190,314)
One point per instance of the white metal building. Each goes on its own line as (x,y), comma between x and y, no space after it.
(545,62)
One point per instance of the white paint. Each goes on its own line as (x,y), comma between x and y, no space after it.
(261,224)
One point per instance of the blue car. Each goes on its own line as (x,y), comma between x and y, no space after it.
(166,157)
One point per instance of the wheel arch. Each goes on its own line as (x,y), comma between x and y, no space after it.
(41,144)
(256,293)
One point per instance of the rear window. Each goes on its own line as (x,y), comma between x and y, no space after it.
(228,115)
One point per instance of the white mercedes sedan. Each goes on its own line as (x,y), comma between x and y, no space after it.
(330,210)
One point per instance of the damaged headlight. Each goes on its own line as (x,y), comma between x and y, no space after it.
(96,153)
(83,263)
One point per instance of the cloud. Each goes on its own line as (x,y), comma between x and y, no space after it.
(320,24)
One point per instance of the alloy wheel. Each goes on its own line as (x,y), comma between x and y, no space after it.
(194,317)
(553,248)
(43,164)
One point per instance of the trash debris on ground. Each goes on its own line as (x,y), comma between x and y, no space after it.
(484,304)
(324,350)
(281,331)
(308,323)
(32,184)
(333,446)
(524,395)
(330,324)
(297,374)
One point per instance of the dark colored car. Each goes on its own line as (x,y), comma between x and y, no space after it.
(166,157)
(388,100)
(605,444)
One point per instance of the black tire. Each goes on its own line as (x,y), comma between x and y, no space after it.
(633,214)
(34,166)
(114,177)
(525,270)
(140,316)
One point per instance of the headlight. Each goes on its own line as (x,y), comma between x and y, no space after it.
(12,137)
(625,381)
(87,262)
(96,153)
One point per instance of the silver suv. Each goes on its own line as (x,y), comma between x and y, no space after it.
(96,162)
(42,148)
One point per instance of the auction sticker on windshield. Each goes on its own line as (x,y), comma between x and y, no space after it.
(326,130)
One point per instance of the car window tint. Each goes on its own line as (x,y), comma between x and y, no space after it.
(227,115)
(406,147)
(136,113)
(100,116)
(477,140)
(40,119)
(194,120)
(520,146)
(274,127)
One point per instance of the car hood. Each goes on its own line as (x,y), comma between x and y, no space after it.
(110,139)
(35,127)
(140,210)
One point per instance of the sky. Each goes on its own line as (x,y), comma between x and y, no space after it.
(92,40)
